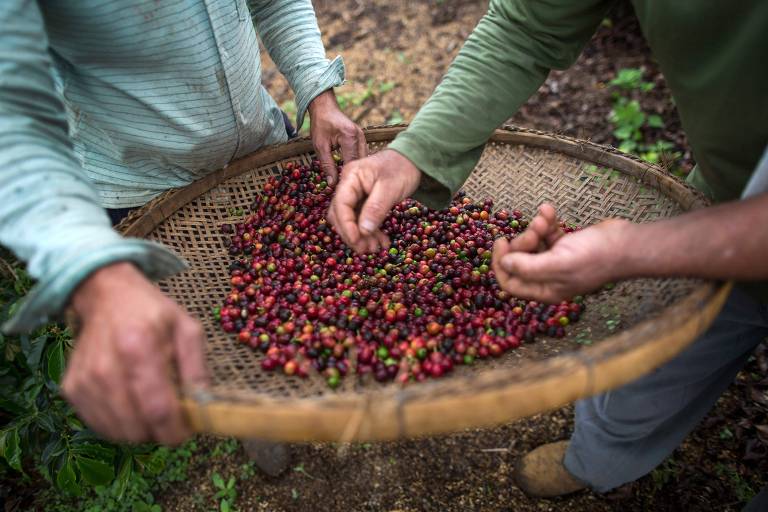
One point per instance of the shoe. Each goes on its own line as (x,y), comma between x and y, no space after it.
(542,474)
(270,457)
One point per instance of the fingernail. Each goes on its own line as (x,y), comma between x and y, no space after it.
(367,225)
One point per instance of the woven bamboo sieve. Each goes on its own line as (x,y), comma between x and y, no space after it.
(625,332)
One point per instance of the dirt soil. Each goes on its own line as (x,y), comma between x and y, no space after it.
(411,43)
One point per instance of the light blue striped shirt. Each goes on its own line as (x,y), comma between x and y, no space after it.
(107,103)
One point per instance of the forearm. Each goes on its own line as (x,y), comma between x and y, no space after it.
(503,62)
(727,241)
(291,35)
(49,214)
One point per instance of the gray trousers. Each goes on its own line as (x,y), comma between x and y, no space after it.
(623,434)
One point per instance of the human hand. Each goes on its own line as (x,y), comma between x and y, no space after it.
(119,377)
(545,264)
(371,186)
(329,127)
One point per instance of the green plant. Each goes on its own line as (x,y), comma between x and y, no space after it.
(744,491)
(395,117)
(664,473)
(39,430)
(226,494)
(630,121)
(148,471)
(226,446)
(41,437)
(631,79)
(348,99)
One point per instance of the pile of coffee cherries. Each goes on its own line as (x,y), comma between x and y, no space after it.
(412,311)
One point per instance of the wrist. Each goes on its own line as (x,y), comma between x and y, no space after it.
(322,102)
(103,281)
(625,248)
(391,159)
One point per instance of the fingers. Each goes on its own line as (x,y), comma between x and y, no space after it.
(542,232)
(527,241)
(342,212)
(325,156)
(190,353)
(531,267)
(552,232)
(150,386)
(376,208)
(531,290)
(508,265)
(382,239)
(94,385)
(500,247)
(350,149)
(362,145)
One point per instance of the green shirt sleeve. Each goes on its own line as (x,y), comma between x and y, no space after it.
(506,58)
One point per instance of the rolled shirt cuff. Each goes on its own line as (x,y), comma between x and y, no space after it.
(436,189)
(328,78)
(50,296)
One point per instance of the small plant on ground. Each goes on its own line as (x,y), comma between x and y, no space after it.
(744,492)
(226,493)
(631,122)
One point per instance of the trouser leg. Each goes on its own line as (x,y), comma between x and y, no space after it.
(759,503)
(623,434)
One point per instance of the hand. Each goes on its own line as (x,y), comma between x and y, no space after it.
(545,264)
(377,183)
(119,377)
(329,127)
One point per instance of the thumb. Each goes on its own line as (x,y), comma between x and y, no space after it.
(324,154)
(376,207)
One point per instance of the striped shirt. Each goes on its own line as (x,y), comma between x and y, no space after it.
(107,103)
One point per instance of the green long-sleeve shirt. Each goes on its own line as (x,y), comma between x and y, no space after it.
(714,56)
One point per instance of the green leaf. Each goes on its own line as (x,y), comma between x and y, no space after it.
(623,132)
(74,423)
(153,462)
(66,479)
(85,434)
(55,366)
(627,78)
(54,448)
(96,451)
(143,506)
(628,146)
(47,421)
(124,476)
(12,407)
(218,481)
(224,506)
(33,350)
(655,121)
(386,87)
(10,448)
(395,118)
(95,472)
